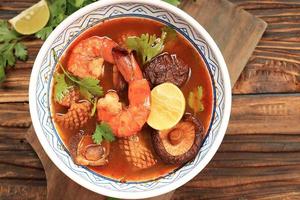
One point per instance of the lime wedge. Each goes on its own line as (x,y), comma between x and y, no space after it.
(32,19)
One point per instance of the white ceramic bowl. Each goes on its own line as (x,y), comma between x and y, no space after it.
(66,32)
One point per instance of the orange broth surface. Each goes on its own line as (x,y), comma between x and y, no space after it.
(118,168)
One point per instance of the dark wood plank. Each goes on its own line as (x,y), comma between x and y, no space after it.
(277,55)
(15,115)
(270,114)
(16,189)
(225,23)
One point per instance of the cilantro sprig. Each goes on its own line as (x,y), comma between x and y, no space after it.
(195,99)
(61,87)
(103,132)
(147,46)
(89,87)
(59,10)
(10,48)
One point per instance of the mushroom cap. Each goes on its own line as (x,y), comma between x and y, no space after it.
(166,68)
(181,143)
(85,152)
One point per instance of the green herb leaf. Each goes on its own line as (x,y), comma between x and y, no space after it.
(173,2)
(147,46)
(195,99)
(44,32)
(88,87)
(21,51)
(59,10)
(7,34)
(171,33)
(103,132)
(85,93)
(10,48)
(2,71)
(92,85)
(76,3)
(61,87)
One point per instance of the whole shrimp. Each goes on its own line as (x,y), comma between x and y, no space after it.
(126,121)
(86,60)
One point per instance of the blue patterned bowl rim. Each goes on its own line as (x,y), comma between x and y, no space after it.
(66,32)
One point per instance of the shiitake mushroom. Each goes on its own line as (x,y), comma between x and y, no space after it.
(166,68)
(181,143)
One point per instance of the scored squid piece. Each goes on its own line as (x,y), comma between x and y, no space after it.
(71,97)
(76,117)
(137,152)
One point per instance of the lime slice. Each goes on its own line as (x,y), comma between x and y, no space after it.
(167,106)
(32,19)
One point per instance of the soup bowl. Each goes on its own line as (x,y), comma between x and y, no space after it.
(42,78)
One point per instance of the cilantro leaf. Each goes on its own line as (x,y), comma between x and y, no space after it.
(195,99)
(76,3)
(10,48)
(61,87)
(103,132)
(147,46)
(85,93)
(21,51)
(88,87)
(6,34)
(171,33)
(173,2)
(59,10)
(91,85)
(44,32)
(2,71)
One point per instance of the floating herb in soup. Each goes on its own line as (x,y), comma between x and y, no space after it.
(132,99)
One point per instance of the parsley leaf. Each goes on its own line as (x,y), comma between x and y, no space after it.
(173,2)
(103,132)
(195,99)
(147,46)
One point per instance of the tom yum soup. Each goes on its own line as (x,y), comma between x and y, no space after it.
(132,99)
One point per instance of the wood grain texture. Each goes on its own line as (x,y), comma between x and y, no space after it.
(225,23)
(255,162)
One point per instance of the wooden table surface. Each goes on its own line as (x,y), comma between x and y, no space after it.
(260,155)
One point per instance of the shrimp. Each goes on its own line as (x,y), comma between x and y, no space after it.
(126,121)
(87,57)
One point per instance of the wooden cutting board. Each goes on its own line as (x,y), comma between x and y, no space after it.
(235,31)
